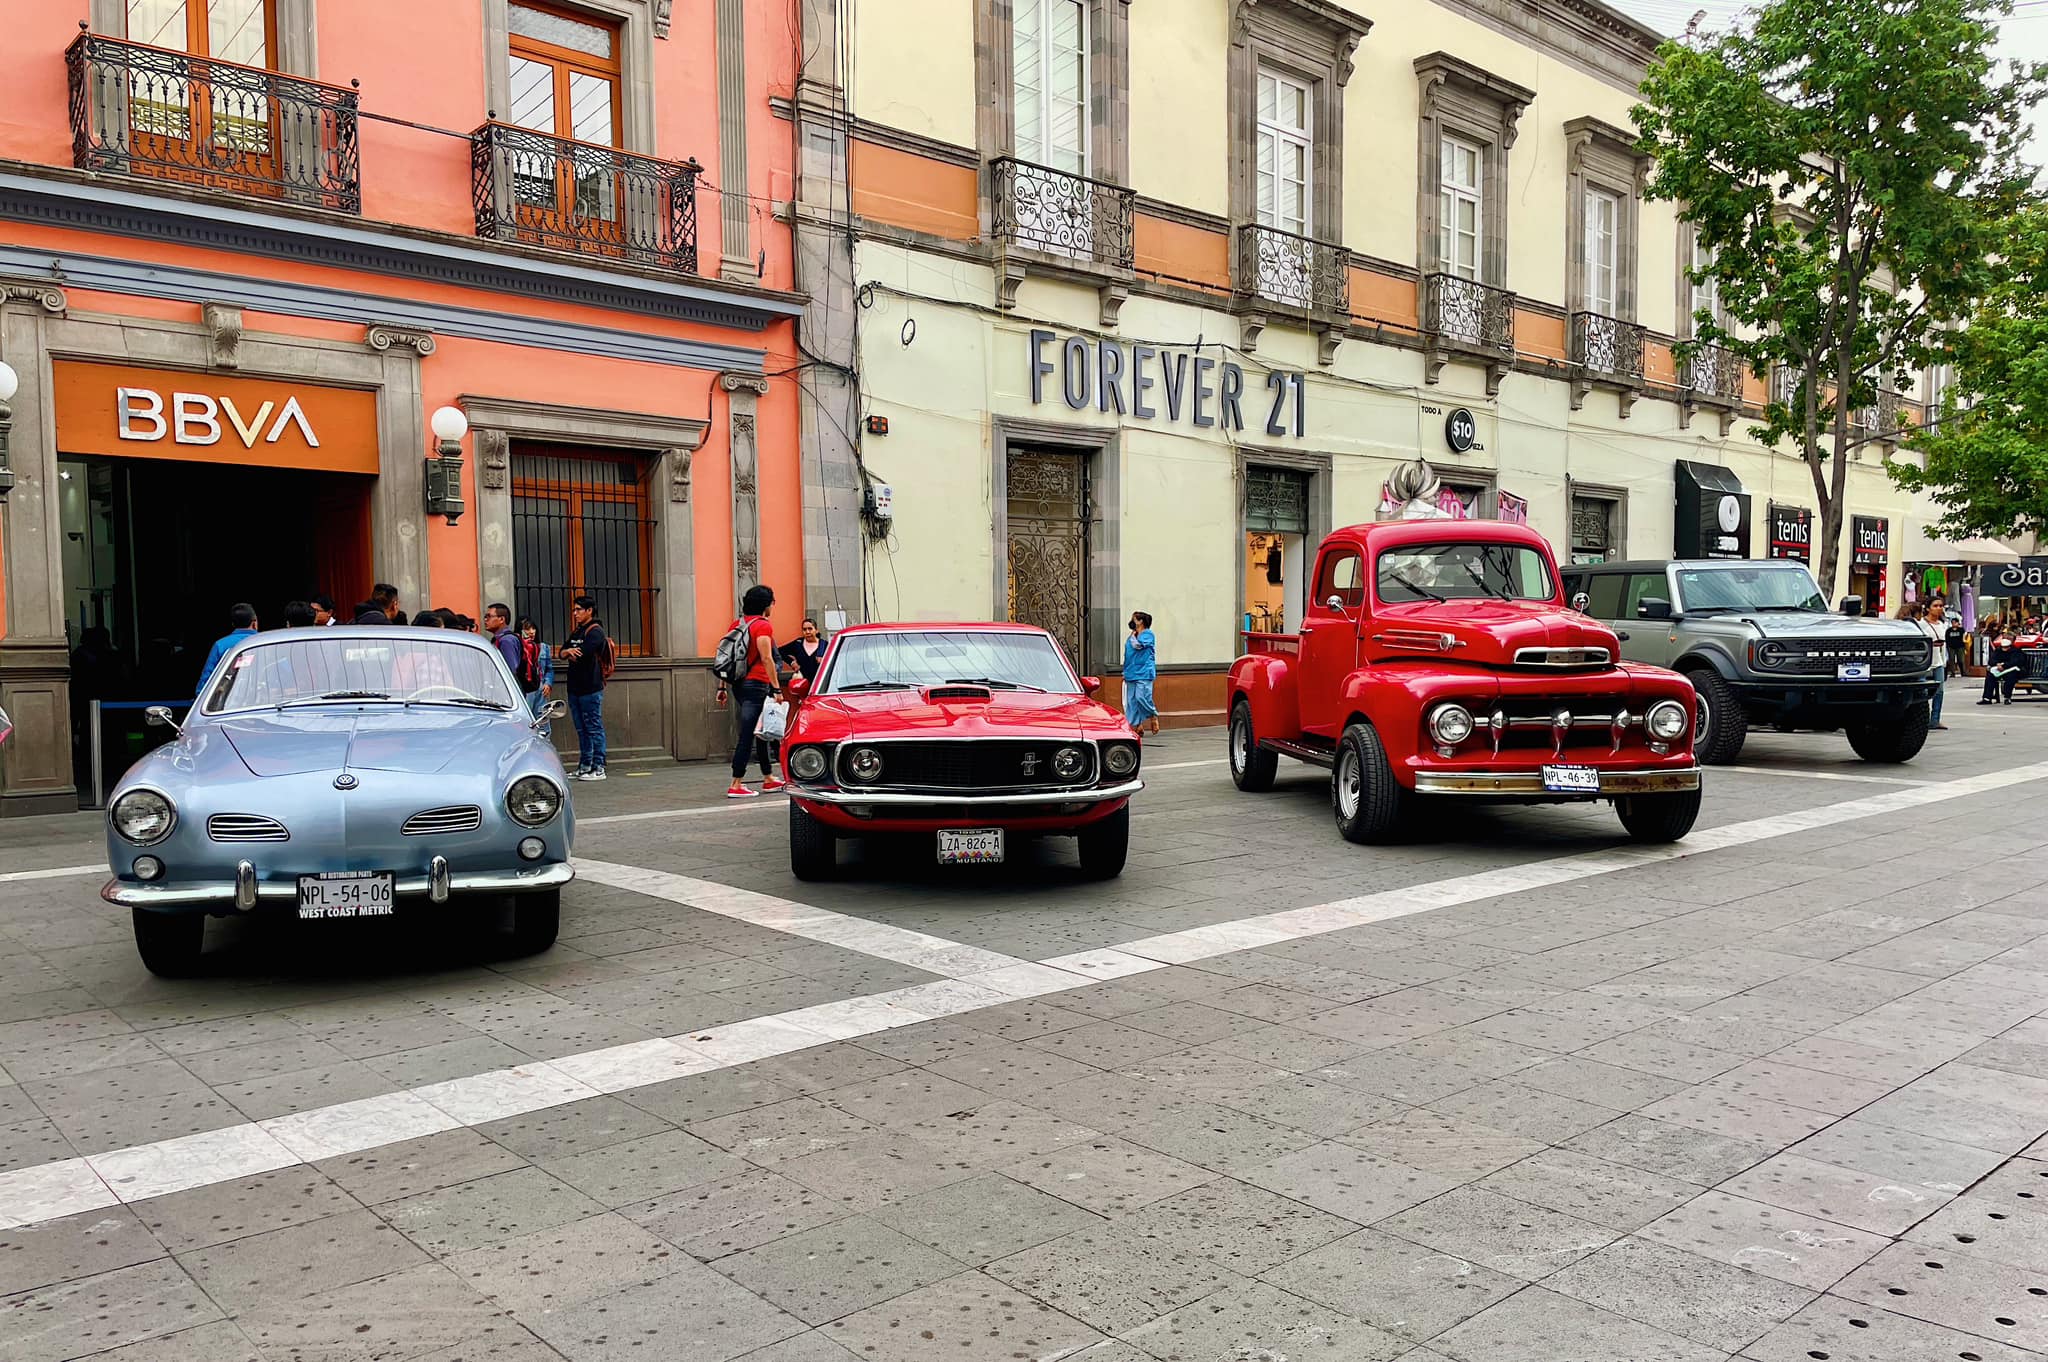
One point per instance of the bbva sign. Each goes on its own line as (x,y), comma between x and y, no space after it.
(195,418)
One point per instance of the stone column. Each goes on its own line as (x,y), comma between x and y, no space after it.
(493,512)
(744,394)
(398,542)
(35,663)
(736,250)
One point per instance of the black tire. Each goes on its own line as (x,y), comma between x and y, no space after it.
(1659,818)
(1371,806)
(813,849)
(1896,741)
(1251,767)
(536,921)
(1104,844)
(169,942)
(1722,727)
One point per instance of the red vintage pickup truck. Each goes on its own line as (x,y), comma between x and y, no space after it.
(1438,658)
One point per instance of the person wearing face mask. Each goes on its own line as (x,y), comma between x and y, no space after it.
(1141,668)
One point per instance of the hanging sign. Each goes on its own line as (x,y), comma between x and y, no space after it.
(125,411)
(1870,538)
(1151,382)
(1791,530)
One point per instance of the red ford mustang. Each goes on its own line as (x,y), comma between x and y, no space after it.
(970,733)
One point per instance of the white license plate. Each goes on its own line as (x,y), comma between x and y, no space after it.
(347,893)
(1571,779)
(962,846)
(1853,671)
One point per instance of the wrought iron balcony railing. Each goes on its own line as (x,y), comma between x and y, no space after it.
(1713,373)
(1879,420)
(1469,315)
(1060,213)
(169,115)
(1607,347)
(583,198)
(1293,270)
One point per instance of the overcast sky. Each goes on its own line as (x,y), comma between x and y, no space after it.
(2024,36)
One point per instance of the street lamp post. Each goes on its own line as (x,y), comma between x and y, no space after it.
(444,471)
(9,381)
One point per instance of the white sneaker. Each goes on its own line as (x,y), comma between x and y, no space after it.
(597,774)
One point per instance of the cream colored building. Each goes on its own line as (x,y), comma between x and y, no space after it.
(1151,293)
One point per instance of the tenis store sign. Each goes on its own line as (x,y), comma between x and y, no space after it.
(1791,532)
(125,412)
(1160,383)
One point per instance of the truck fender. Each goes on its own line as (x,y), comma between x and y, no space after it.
(1710,656)
(1268,683)
(1384,699)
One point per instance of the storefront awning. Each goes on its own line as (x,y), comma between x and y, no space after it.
(1923,547)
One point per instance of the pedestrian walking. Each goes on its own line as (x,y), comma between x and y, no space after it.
(589,655)
(242,622)
(1141,668)
(1953,635)
(804,652)
(540,664)
(757,685)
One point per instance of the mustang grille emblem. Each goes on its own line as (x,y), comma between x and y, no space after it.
(1030,763)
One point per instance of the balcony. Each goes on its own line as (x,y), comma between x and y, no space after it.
(1291,271)
(169,115)
(583,199)
(1463,317)
(1082,224)
(1878,421)
(1606,350)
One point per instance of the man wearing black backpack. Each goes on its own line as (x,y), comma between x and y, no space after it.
(589,655)
(745,664)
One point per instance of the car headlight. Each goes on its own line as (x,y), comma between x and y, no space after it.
(1121,758)
(864,763)
(1668,720)
(143,817)
(533,800)
(1770,654)
(1069,762)
(1450,724)
(807,763)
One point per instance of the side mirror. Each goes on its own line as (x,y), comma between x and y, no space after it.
(552,710)
(1091,684)
(1852,606)
(1335,603)
(159,716)
(1653,608)
(1580,600)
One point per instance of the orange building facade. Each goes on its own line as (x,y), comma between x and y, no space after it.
(248,248)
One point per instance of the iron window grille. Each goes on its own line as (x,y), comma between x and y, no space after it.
(1062,213)
(1293,270)
(565,195)
(171,115)
(582,522)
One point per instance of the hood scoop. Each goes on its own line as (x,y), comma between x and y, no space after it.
(935,694)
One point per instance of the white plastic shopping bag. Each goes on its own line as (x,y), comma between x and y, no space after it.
(774,720)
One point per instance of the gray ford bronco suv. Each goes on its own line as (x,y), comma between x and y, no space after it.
(1760,646)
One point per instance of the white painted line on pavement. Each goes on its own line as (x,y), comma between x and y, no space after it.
(754,805)
(70,1186)
(1822,775)
(55,873)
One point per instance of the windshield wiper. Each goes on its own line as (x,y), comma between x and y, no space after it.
(872,685)
(994,684)
(474,701)
(1417,587)
(1799,608)
(1499,593)
(335,695)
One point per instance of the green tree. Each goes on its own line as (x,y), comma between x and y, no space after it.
(1986,449)
(1850,166)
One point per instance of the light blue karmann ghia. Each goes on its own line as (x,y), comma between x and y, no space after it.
(342,772)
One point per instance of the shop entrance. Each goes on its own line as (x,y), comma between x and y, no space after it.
(1048,545)
(157,551)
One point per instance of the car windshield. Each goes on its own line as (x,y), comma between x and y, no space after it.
(1772,586)
(905,659)
(1443,572)
(405,667)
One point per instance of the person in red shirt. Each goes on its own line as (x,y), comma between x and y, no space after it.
(763,682)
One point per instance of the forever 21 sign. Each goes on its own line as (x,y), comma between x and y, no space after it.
(1148,381)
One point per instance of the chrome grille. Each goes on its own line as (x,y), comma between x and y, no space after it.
(245,827)
(455,818)
(1562,657)
(968,764)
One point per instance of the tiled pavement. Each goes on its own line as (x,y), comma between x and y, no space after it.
(1777,1101)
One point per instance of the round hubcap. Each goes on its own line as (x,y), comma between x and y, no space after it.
(1703,722)
(1348,784)
(1240,744)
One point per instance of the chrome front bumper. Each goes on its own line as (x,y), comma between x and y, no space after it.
(897,799)
(244,891)
(1652,781)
